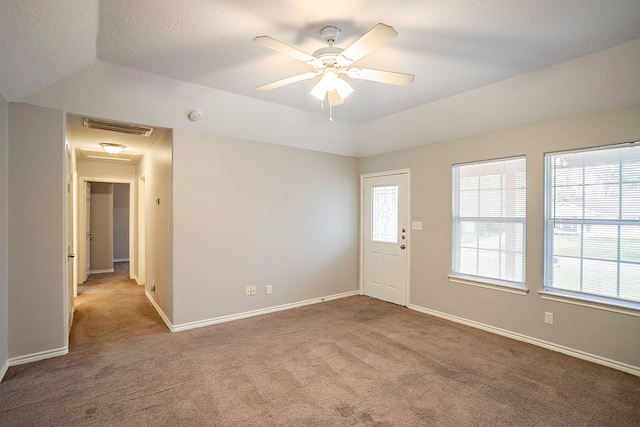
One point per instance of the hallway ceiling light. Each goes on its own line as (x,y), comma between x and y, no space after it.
(112,148)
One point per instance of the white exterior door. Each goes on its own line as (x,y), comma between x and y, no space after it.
(386,237)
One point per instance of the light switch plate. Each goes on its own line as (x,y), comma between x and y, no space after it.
(416,225)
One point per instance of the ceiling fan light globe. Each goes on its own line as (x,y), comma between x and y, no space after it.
(334,98)
(319,91)
(343,88)
(329,80)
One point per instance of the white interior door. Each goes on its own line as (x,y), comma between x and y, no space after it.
(87,212)
(385,210)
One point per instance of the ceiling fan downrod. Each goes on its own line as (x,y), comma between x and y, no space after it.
(330,34)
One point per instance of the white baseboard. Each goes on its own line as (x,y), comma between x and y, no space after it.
(165,319)
(634,370)
(104,270)
(38,356)
(70,320)
(121,260)
(3,370)
(228,318)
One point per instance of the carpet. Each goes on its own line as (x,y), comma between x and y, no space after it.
(353,361)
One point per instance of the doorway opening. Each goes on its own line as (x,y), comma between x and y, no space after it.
(107,222)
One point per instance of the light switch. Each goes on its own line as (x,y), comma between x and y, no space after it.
(416,225)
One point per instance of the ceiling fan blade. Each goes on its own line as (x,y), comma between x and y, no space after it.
(334,99)
(291,51)
(389,77)
(288,81)
(376,37)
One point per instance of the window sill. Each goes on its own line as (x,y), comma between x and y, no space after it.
(488,285)
(600,303)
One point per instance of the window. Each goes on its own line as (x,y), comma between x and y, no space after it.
(592,223)
(489,218)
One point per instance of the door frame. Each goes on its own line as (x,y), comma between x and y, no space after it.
(82,180)
(363,177)
(85,254)
(141,213)
(70,241)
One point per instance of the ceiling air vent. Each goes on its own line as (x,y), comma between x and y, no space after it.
(118,127)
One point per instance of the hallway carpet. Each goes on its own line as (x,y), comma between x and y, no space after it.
(354,361)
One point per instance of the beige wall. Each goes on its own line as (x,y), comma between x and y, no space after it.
(255,214)
(101,226)
(37,249)
(604,334)
(250,213)
(90,169)
(156,166)
(4,238)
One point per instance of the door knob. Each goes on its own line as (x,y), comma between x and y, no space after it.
(72,255)
(402,247)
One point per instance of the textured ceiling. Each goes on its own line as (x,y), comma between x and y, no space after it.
(451,46)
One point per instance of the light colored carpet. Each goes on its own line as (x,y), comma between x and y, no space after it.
(354,361)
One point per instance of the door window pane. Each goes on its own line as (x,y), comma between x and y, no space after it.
(384,214)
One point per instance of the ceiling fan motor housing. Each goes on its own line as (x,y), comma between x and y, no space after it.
(330,34)
(330,57)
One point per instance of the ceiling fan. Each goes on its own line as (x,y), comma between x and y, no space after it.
(333,62)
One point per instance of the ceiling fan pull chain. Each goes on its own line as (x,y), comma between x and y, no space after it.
(330,112)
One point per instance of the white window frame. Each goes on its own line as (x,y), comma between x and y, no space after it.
(557,293)
(500,284)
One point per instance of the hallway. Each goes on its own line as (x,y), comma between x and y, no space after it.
(112,307)
(112,320)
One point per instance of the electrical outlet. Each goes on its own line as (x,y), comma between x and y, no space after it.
(153,286)
(548,318)
(269,289)
(253,290)
(247,291)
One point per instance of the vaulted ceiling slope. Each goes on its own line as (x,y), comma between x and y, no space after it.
(480,66)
